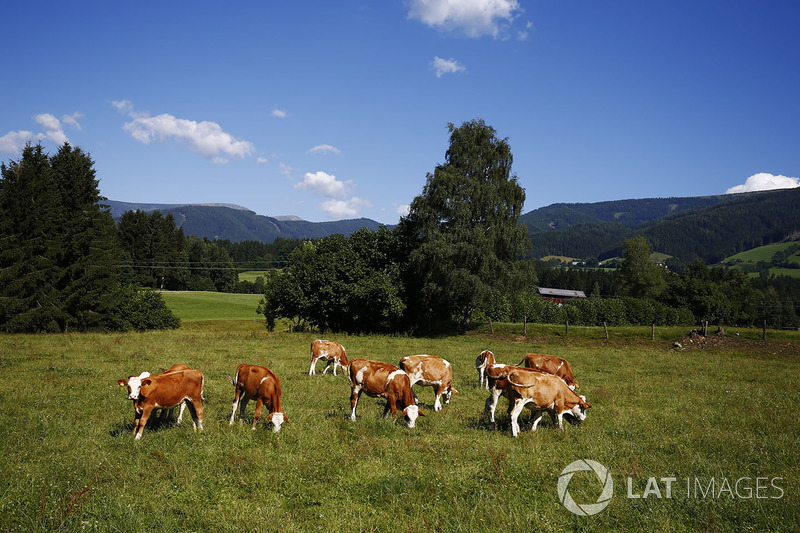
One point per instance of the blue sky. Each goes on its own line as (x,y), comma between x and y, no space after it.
(330,110)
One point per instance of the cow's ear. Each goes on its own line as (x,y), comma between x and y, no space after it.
(588,405)
(285,418)
(454,389)
(122,383)
(421,413)
(146,382)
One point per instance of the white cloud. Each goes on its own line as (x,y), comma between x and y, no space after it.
(123,106)
(52,127)
(764,181)
(206,138)
(446,66)
(323,184)
(324,148)
(472,17)
(280,113)
(72,120)
(261,160)
(403,210)
(14,141)
(345,208)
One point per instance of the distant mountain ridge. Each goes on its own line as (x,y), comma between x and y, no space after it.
(709,227)
(237,223)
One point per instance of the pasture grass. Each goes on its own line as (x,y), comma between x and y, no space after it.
(251,275)
(70,462)
(199,305)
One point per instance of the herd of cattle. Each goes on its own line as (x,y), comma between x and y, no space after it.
(542,383)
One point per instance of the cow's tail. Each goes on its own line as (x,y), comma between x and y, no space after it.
(203,388)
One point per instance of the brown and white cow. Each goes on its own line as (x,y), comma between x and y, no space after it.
(541,392)
(166,391)
(261,384)
(329,351)
(134,383)
(430,371)
(383,380)
(495,375)
(551,364)
(484,360)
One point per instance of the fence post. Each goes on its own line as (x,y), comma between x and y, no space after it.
(491,325)
(525,325)
(566,331)
(764,335)
(605,327)
(653,333)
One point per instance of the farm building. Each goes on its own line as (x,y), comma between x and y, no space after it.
(559,295)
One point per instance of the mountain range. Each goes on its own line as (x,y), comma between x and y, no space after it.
(710,227)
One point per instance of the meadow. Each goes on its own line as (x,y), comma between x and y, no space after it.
(720,422)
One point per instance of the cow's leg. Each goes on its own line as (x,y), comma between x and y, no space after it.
(491,403)
(560,420)
(196,410)
(391,405)
(180,413)
(259,405)
(313,369)
(537,417)
(327,366)
(514,410)
(354,396)
(142,422)
(236,397)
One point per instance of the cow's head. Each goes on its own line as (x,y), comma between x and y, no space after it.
(134,384)
(449,392)
(411,413)
(578,410)
(277,419)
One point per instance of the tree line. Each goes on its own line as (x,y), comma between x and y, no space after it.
(460,255)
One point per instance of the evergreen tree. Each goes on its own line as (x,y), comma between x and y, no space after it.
(29,217)
(88,255)
(59,259)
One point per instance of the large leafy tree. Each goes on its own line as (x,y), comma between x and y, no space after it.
(638,275)
(462,232)
(340,284)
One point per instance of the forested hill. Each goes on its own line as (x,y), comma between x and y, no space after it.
(626,212)
(238,224)
(713,229)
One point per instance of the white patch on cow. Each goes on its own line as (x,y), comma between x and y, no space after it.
(393,374)
(262,380)
(360,374)
(277,419)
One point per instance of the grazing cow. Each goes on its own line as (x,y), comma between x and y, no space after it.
(329,351)
(484,361)
(541,392)
(259,383)
(383,380)
(166,391)
(433,372)
(552,365)
(134,383)
(495,374)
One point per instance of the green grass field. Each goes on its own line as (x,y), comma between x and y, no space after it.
(191,306)
(251,275)
(709,418)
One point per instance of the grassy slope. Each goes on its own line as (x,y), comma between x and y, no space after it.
(198,305)
(656,412)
